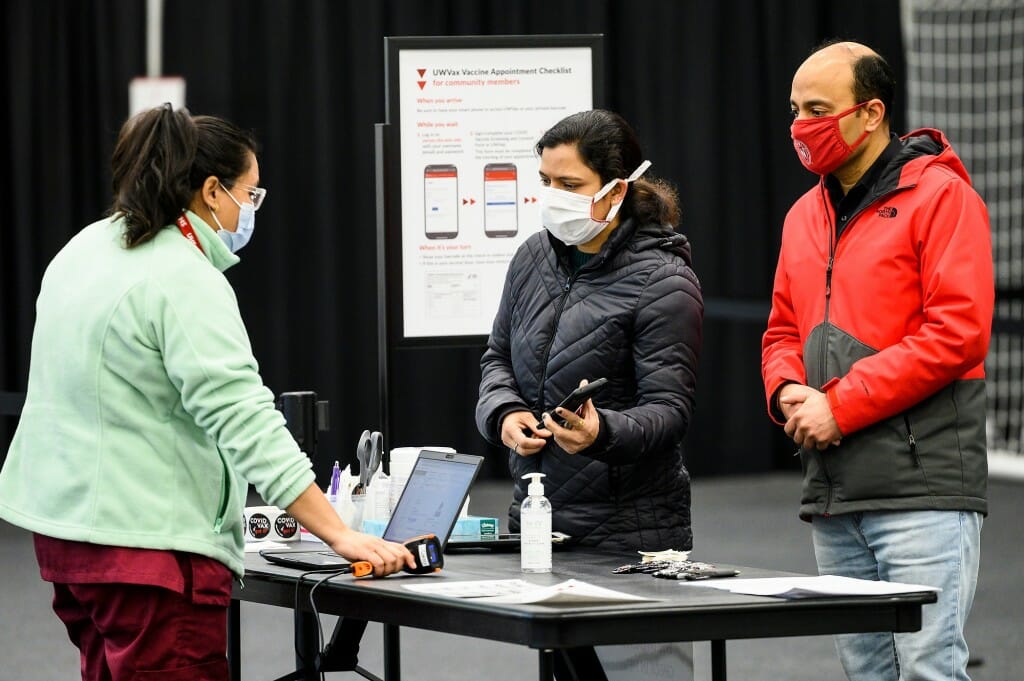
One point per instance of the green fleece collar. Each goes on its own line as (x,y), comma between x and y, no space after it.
(216,250)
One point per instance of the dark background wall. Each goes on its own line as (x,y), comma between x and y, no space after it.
(706,85)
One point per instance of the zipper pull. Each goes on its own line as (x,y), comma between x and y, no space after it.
(828,277)
(912,441)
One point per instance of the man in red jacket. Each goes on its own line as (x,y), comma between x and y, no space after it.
(874,356)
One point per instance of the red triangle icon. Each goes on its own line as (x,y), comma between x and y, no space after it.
(421,83)
(421,72)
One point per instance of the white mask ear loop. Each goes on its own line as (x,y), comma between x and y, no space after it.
(634,176)
(640,170)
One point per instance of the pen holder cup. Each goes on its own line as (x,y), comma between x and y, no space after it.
(347,505)
(350,509)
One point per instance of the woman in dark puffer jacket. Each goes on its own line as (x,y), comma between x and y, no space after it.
(606,291)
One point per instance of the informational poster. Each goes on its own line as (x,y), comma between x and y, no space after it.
(468,122)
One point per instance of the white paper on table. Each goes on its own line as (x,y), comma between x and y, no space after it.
(520,591)
(472,589)
(257,546)
(811,587)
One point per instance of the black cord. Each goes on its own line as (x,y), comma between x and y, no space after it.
(316,613)
(330,572)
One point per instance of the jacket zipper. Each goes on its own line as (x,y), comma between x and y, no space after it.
(823,359)
(912,442)
(833,245)
(566,287)
(823,355)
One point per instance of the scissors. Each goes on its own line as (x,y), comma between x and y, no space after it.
(369,452)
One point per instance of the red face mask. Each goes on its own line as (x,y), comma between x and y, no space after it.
(820,144)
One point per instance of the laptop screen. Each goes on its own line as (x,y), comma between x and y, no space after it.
(433,496)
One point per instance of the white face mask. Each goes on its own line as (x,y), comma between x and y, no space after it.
(570,216)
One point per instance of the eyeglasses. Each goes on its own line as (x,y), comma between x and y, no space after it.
(256,194)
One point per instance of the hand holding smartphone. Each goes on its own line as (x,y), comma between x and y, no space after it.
(575,400)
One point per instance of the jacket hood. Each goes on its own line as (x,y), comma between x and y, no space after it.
(665,238)
(925,147)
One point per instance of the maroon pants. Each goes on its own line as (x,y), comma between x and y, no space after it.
(127,632)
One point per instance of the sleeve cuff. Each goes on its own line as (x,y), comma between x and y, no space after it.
(774,411)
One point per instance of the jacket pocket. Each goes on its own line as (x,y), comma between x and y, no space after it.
(876,463)
(225,494)
(933,424)
(914,454)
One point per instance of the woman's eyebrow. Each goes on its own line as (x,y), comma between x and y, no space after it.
(561,178)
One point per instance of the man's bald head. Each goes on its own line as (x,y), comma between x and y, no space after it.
(845,49)
(869,75)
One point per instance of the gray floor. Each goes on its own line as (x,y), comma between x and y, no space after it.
(744,520)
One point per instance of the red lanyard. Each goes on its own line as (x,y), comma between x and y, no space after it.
(186,231)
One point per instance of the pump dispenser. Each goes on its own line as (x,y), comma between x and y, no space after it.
(535,523)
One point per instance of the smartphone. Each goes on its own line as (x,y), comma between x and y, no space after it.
(501,200)
(574,400)
(441,201)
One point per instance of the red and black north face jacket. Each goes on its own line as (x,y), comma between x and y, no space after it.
(892,321)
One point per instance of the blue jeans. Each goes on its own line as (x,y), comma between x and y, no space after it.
(934,548)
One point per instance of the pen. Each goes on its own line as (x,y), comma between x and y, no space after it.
(335,482)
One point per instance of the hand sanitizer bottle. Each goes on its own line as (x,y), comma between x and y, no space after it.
(535,523)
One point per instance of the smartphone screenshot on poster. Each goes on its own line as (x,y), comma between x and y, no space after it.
(501,200)
(441,201)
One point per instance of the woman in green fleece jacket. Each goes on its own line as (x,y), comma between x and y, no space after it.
(146,417)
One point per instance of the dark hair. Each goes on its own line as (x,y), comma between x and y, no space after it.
(873,78)
(609,147)
(162,157)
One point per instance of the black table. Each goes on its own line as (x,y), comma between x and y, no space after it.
(680,611)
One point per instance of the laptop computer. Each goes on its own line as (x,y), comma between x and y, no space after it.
(430,503)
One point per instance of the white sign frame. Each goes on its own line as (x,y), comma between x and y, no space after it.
(464,114)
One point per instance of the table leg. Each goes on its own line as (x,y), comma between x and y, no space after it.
(306,645)
(578,664)
(392,653)
(235,640)
(546,665)
(718,660)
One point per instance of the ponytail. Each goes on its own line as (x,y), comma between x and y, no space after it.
(151,168)
(652,200)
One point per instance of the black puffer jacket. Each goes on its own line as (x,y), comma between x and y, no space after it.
(633,315)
